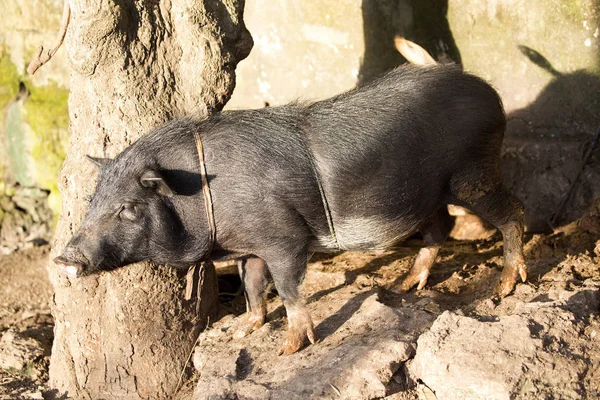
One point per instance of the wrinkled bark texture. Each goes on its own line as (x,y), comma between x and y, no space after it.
(134,65)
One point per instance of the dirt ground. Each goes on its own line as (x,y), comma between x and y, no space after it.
(355,315)
(26,326)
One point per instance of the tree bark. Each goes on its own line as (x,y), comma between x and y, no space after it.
(134,65)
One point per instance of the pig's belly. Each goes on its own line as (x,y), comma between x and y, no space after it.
(365,233)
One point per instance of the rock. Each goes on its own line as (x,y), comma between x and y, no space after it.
(27,219)
(543,350)
(19,352)
(32,395)
(362,343)
(6,204)
(31,200)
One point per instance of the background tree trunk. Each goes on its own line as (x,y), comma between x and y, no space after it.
(134,65)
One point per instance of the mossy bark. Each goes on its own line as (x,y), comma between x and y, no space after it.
(128,333)
(46,113)
(34,126)
(9,87)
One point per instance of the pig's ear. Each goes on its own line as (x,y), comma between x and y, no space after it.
(98,162)
(152,179)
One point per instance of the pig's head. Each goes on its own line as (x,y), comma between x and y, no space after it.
(131,218)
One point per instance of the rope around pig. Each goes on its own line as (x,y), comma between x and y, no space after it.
(325,205)
(208,203)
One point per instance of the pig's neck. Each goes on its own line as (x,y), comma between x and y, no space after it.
(196,238)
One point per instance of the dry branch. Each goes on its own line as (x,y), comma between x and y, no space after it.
(42,58)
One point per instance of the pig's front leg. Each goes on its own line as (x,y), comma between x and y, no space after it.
(288,270)
(255,277)
(300,327)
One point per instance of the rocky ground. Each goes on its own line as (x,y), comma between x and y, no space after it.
(452,340)
(25,218)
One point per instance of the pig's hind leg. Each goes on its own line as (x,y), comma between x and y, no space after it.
(484,194)
(255,278)
(435,230)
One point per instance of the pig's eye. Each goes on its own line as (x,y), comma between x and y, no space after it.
(128,212)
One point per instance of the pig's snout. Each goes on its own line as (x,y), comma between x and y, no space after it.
(72,262)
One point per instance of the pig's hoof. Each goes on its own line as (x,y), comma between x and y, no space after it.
(410,281)
(523,272)
(510,277)
(295,340)
(250,323)
(506,287)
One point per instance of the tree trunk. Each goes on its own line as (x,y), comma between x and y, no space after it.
(134,65)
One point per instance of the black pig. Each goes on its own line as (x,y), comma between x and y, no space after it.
(361,170)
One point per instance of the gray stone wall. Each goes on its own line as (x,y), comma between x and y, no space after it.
(542,55)
(302,49)
(314,49)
